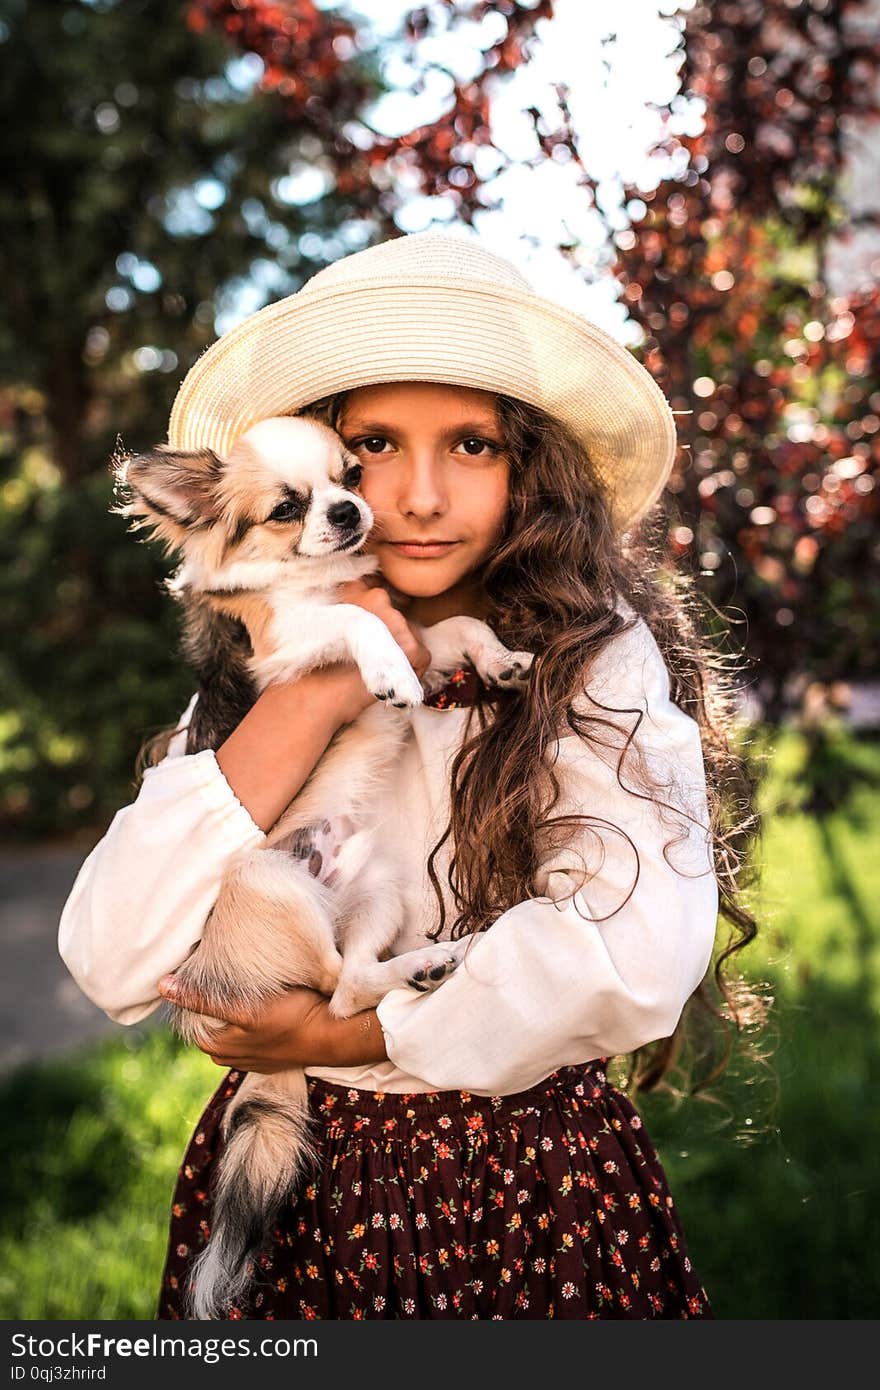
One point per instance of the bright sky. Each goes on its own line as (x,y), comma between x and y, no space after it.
(615,59)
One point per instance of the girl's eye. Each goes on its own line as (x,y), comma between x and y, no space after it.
(487,443)
(290,510)
(368,439)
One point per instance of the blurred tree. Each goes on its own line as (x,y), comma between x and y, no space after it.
(144,181)
(145,186)
(724,268)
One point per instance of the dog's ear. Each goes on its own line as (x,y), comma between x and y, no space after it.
(171,491)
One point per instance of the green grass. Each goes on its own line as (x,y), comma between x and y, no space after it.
(780,1203)
(89,1153)
(775,1186)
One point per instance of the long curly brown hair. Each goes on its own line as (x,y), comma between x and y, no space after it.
(553,581)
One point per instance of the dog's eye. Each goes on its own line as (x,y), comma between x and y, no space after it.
(290,510)
(353,475)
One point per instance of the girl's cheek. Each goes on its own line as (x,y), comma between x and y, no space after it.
(498,517)
(374,494)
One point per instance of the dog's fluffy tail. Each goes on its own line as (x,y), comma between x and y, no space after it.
(268,1149)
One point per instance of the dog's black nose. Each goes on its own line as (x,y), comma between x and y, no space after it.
(344,514)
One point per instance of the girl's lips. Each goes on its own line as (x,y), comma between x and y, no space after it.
(422,552)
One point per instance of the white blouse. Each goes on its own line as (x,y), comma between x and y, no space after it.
(544,987)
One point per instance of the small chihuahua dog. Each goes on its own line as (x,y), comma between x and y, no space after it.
(266,536)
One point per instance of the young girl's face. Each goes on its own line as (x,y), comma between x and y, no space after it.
(433,470)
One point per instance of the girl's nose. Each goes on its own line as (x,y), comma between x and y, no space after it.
(422,491)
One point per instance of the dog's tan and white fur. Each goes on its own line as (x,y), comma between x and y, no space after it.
(266,536)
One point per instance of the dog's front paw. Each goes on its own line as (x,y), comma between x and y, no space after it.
(505,669)
(395,684)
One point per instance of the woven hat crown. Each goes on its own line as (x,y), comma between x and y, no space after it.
(426,257)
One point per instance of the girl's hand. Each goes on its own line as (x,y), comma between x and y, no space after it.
(295,1030)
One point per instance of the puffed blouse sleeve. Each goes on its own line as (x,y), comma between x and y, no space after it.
(142,897)
(600,964)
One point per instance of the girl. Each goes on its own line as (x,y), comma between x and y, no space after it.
(475,1159)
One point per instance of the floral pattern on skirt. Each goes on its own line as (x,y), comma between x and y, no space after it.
(550,1203)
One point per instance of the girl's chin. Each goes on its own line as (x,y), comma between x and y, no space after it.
(417,585)
(419,576)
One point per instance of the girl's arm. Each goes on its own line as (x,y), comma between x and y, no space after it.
(140,900)
(546,987)
(268,757)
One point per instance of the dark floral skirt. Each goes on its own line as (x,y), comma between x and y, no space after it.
(551,1203)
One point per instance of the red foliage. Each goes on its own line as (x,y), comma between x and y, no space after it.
(306,52)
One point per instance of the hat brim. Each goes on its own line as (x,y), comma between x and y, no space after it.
(493,338)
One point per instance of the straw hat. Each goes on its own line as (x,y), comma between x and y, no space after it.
(435,306)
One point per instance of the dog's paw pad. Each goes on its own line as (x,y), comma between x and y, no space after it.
(432,973)
(510,669)
(318,845)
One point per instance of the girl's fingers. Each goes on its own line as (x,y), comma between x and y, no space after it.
(355,590)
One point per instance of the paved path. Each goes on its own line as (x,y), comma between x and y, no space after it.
(42,1010)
